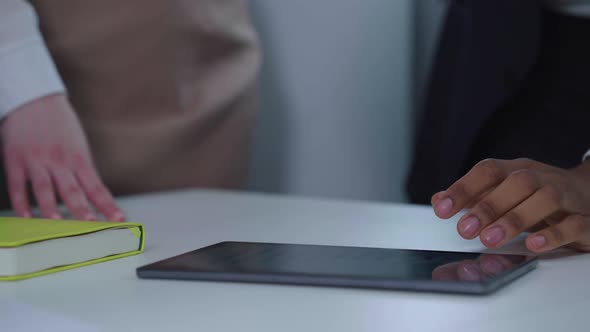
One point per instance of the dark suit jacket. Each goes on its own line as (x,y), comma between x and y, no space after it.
(485,51)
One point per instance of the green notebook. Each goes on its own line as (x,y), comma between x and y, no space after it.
(35,247)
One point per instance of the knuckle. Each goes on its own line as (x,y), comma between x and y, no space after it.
(98,191)
(459,191)
(491,169)
(487,210)
(525,163)
(552,196)
(556,234)
(73,190)
(43,184)
(525,179)
(578,225)
(514,221)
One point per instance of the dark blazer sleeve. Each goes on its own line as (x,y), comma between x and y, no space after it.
(485,50)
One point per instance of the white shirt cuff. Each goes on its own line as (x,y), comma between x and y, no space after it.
(27,73)
(586,156)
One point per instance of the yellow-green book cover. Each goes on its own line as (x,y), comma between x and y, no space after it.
(33,247)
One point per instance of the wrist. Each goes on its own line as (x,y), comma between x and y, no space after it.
(49,105)
(583,169)
(54,100)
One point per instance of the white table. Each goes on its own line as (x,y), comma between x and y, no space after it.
(109,297)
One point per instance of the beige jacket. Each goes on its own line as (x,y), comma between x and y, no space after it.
(165,89)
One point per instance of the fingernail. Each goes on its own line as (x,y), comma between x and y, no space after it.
(493,235)
(444,207)
(492,266)
(537,241)
(470,226)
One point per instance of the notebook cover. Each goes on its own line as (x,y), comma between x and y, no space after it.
(15,232)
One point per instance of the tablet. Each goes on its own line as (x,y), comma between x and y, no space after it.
(355,267)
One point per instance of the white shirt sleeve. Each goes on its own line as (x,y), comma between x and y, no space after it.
(586,156)
(27,71)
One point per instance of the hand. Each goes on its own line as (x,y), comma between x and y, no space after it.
(508,197)
(43,143)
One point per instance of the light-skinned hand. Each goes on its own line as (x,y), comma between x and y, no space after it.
(44,146)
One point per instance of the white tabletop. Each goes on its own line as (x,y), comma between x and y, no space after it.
(109,297)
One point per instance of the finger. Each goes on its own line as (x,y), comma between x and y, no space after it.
(517,187)
(481,196)
(537,227)
(481,178)
(570,230)
(17,188)
(71,194)
(436,197)
(99,195)
(43,190)
(543,203)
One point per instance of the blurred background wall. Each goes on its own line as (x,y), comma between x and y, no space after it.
(341,83)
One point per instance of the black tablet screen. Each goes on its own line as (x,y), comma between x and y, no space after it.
(341,266)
